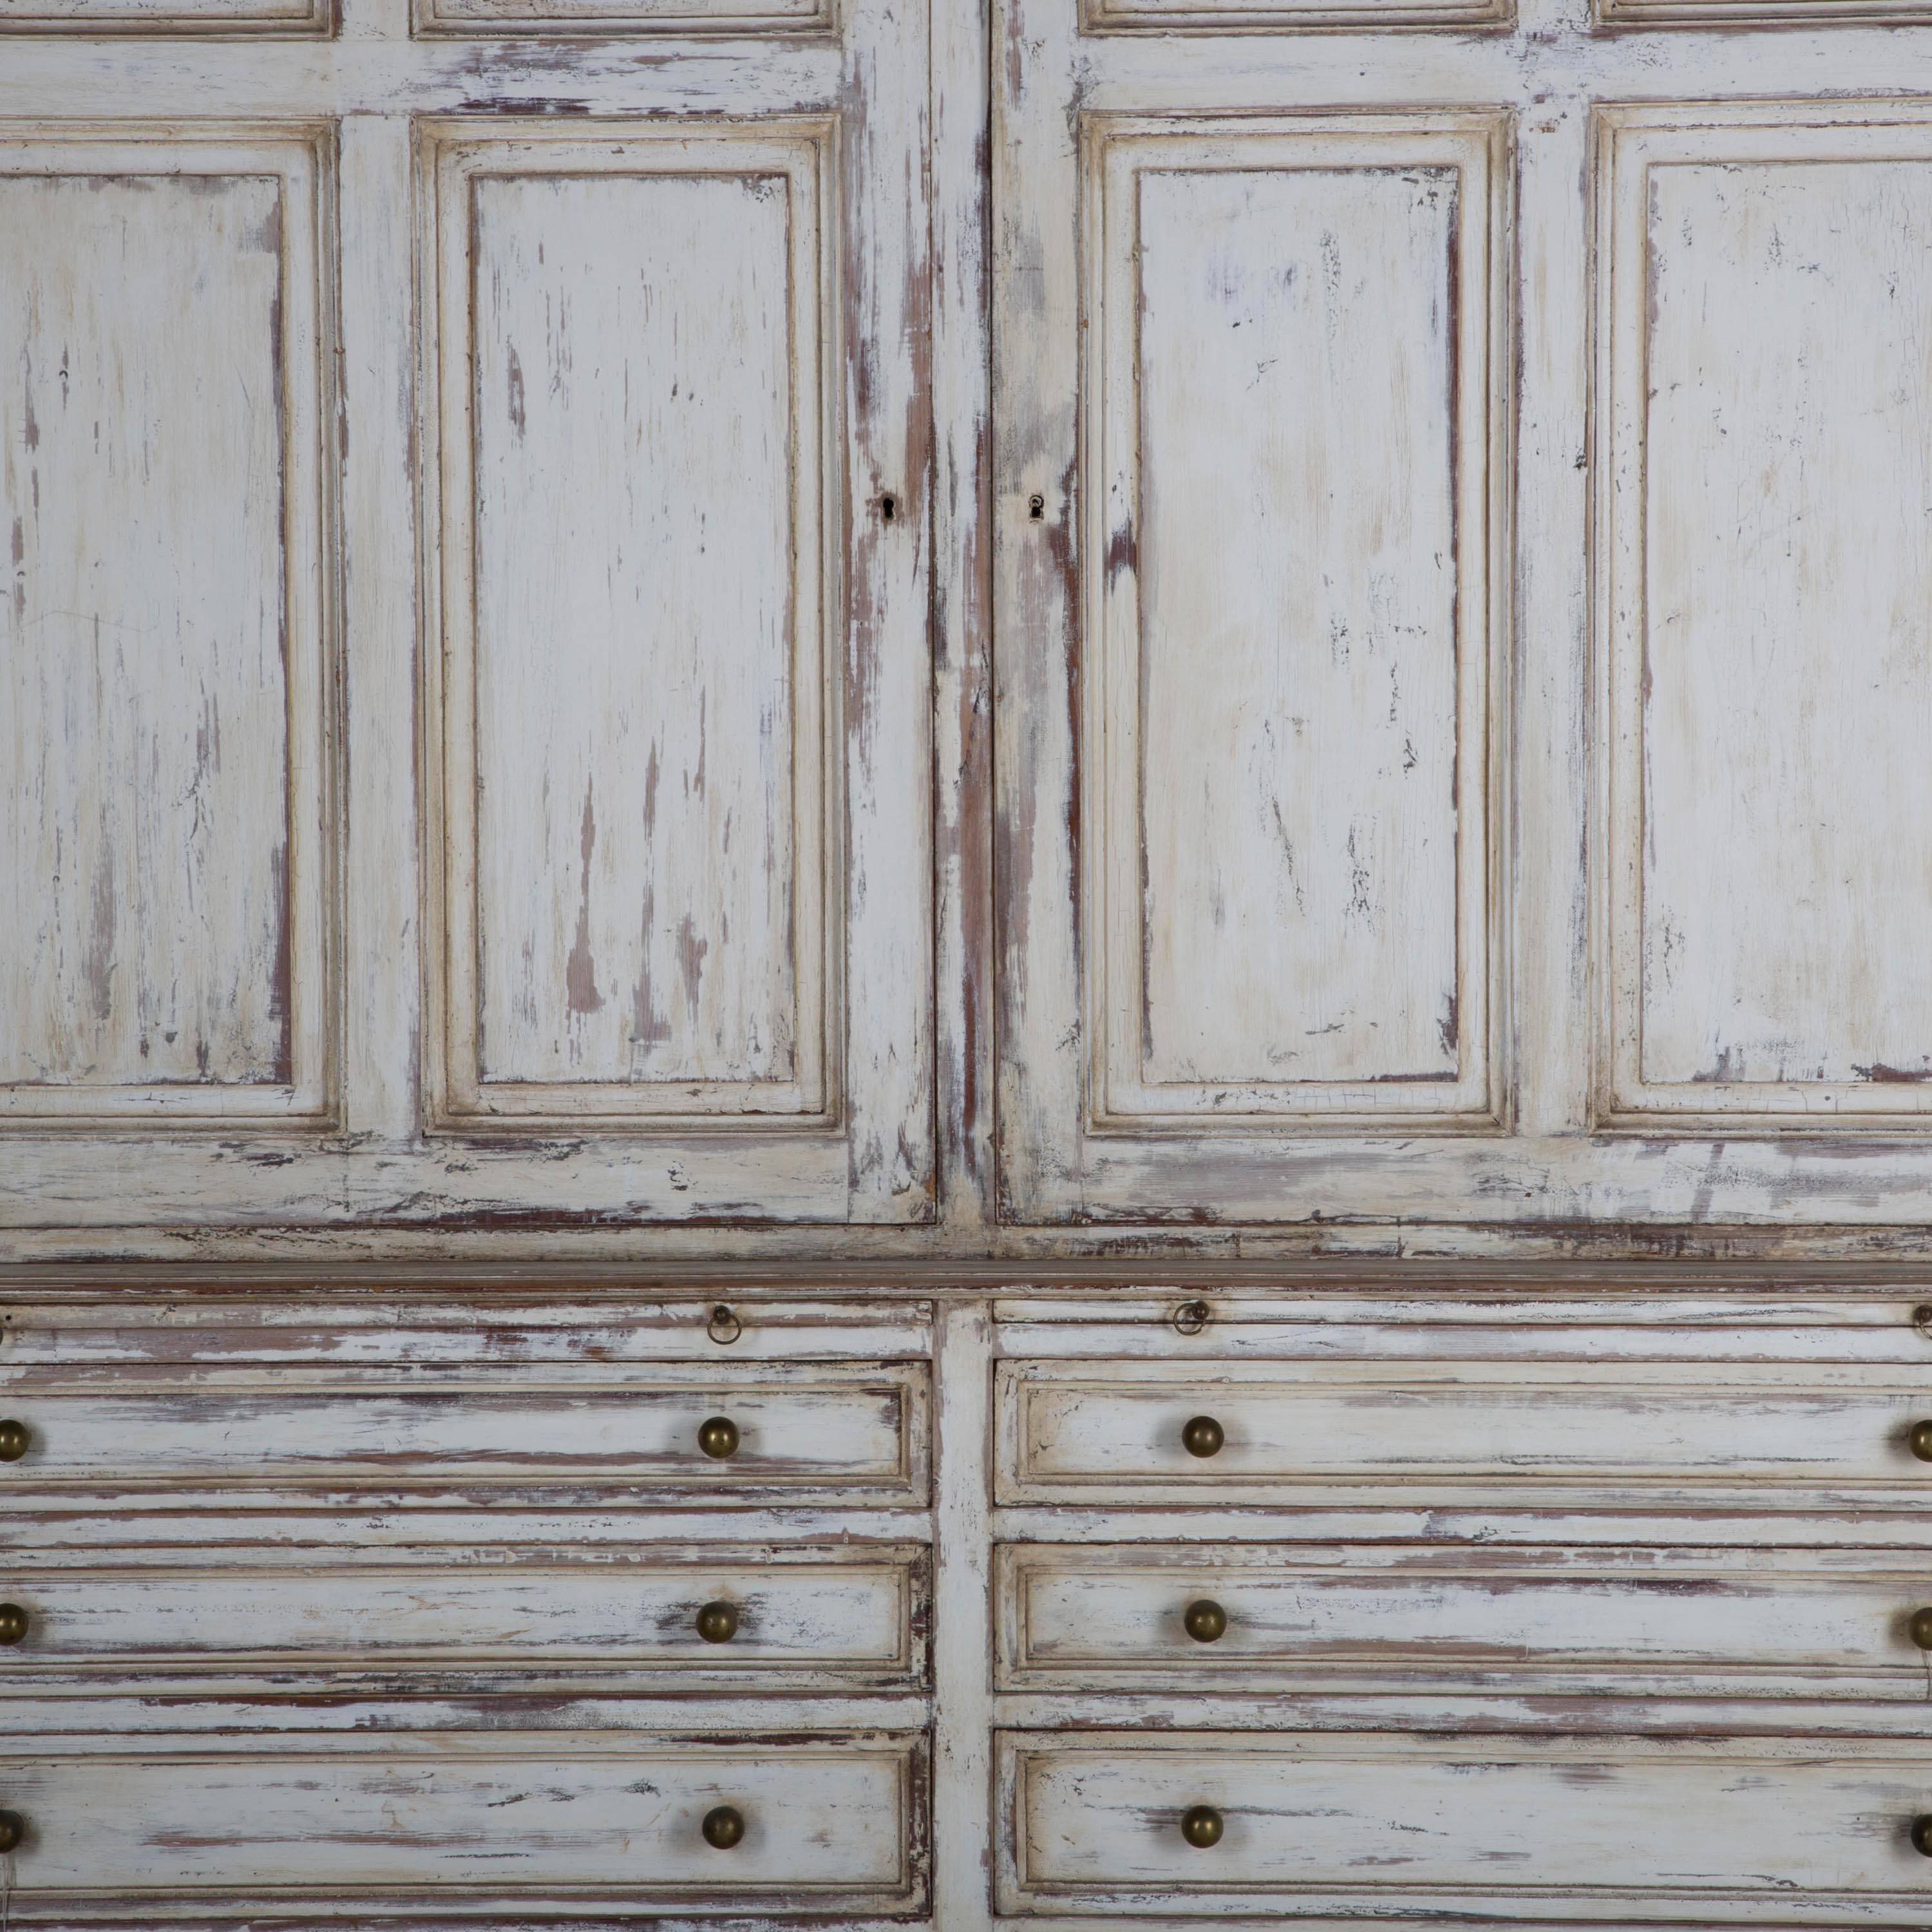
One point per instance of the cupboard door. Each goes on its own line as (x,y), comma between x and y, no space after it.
(468,619)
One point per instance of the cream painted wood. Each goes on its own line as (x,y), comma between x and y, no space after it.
(170,637)
(819,1433)
(1784,1437)
(1291,933)
(836,1618)
(622,16)
(1631,1831)
(451,1824)
(1606,1622)
(309,18)
(1760,375)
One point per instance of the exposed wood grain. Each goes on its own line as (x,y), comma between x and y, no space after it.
(168,691)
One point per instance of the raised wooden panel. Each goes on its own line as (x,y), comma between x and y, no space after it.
(1619,1830)
(1762,1623)
(623,17)
(1772,1436)
(1278,16)
(1759,12)
(550,1819)
(223,17)
(637,813)
(1288,569)
(1767,568)
(841,1618)
(165,655)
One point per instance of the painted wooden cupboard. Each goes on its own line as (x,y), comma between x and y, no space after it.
(965,962)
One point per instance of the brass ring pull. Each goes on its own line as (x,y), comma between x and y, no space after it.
(1191,1317)
(1921,1837)
(13,1623)
(718,1437)
(1919,1441)
(13,1439)
(723,1327)
(1204,1621)
(718,1623)
(1202,1435)
(723,1828)
(13,1831)
(1201,1826)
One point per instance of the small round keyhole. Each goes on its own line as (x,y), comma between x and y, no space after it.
(1037,507)
(888,508)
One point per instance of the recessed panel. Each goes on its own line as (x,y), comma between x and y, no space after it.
(636,788)
(163,874)
(1277,16)
(1766,312)
(1289,343)
(311,17)
(622,16)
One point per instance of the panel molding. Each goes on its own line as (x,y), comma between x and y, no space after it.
(440,19)
(453,158)
(1287,17)
(228,19)
(301,157)
(1633,143)
(1117,151)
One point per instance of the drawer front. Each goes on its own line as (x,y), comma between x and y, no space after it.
(827,1825)
(776,1613)
(1113,1432)
(822,1433)
(1733,1621)
(1773,1833)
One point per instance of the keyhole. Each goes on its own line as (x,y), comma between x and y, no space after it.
(1036,508)
(888,508)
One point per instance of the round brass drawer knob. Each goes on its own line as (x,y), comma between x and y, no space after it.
(1920,1440)
(13,1623)
(13,1440)
(1204,1620)
(723,1828)
(1922,1629)
(1201,1826)
(1202,1435)
(13,1831)
(1922,1836)
(718,1623)
(718,1437)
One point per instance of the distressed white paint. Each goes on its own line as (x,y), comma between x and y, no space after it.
(803,1618)
(1592,1436)
(1629,1830)
(620,16)
(1769,661)
(165,884)
(634,726)
(464,1821)
(1288,362)
(1756,1622)
(309,18)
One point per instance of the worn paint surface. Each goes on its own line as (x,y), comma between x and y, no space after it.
(165,677)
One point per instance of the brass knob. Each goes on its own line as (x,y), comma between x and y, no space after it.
(13,1440)
(718,1623)
(1921,1837)
(1922,1629)
(718,1437)
(13,1623)
(1202,1436)
(13,1831)
(1920,1440)
(1205,1621)
(1201,1826)
(723,1828)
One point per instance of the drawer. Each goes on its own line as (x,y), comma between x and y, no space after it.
(1635,1830)
(1633,1621)
(556,1820)
(1576,1435)
(823,1432)
(854,1615)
